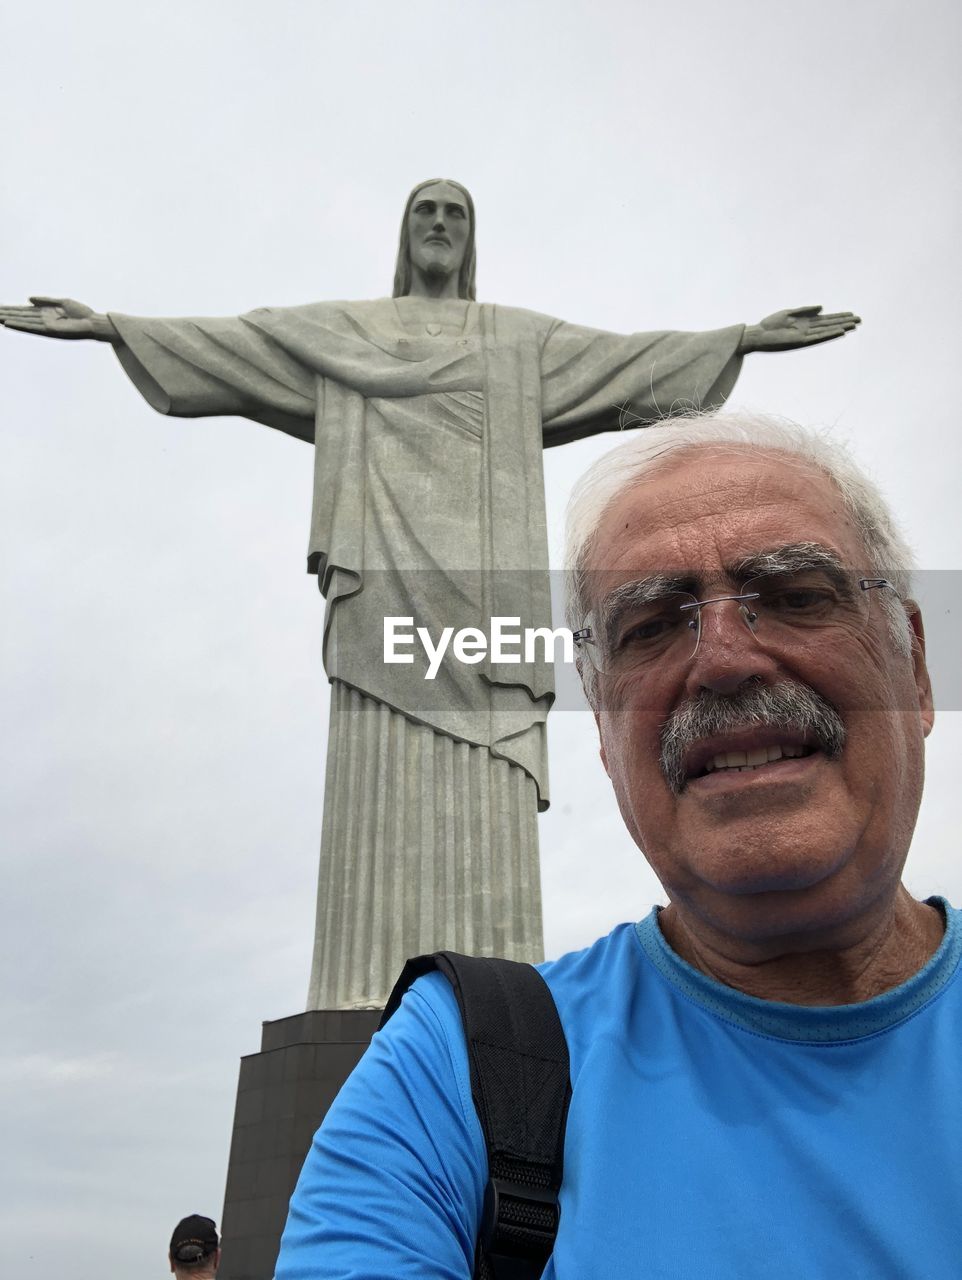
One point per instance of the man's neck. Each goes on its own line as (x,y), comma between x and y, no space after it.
(889,950)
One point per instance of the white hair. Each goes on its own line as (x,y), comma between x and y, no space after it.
(887,553)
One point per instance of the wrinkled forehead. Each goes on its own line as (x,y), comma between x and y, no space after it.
(706,508)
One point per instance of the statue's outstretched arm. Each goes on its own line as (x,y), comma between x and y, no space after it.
(59,318)
(800,327)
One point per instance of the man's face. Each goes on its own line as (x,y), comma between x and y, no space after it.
(438,225)
(805,842)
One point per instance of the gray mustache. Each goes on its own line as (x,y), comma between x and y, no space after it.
(787,705)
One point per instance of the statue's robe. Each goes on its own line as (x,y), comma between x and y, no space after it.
(428,503)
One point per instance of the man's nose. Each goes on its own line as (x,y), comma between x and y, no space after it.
(438,224)
(728,650)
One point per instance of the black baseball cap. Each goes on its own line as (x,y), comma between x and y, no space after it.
(194,1239)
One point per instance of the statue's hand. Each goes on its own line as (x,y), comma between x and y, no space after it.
(57,318)
(800,327)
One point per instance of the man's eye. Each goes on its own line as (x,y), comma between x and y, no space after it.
(808,599)
(456,211)
(799,601)
(651,631)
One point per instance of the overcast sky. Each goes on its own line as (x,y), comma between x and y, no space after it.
(678,164)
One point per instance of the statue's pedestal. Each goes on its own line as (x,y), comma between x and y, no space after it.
(282,1095)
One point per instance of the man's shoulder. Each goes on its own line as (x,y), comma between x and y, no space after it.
(593,983)
(579,981)
(606,952)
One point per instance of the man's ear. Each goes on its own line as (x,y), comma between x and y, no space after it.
(601,744)
(922,681)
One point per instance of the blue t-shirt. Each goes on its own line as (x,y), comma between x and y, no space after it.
(711,1135)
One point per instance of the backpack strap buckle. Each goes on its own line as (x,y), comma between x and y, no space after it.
(518,1221)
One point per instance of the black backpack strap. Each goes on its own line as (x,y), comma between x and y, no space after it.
(521,1086)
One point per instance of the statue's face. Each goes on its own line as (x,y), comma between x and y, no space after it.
(438,225)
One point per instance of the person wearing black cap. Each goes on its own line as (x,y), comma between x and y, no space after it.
(195,1248)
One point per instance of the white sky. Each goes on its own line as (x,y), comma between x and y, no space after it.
(678,164)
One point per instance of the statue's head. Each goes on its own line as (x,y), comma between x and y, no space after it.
(439,200)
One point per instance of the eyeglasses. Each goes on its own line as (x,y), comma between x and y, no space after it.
(776,608)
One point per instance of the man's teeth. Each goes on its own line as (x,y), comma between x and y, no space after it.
(751,759)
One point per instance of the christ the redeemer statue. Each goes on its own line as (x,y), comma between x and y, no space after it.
(429,412)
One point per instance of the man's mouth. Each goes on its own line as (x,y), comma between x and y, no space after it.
(437,240)
(765,729)
(745,750)
(747,760)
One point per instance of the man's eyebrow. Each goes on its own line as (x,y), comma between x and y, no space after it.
(630,595)
(793,557)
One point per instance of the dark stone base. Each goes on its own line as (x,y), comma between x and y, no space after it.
(282,1095)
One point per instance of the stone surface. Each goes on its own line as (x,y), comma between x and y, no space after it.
(428,503)
(283,1093)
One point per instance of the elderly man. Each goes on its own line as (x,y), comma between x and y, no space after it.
(767,1072)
